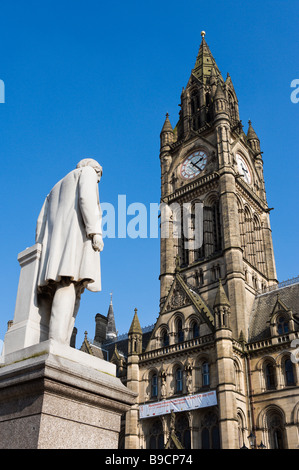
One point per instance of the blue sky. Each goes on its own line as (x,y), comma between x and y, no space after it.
(95,79)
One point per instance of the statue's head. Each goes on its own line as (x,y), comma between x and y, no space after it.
(94,164)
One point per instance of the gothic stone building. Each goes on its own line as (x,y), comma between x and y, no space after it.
(225,325)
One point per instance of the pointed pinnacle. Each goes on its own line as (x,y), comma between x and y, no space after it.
(135,326)
(167,127)
(221,298)
(251,134)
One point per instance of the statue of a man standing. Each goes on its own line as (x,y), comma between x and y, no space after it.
(69,228)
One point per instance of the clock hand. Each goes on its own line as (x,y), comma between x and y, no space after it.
(194,164)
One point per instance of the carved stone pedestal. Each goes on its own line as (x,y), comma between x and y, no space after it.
(56,397)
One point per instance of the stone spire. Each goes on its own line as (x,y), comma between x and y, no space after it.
(205,64)
(111,329)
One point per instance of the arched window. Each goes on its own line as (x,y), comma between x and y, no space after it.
(216,227)
(205,374)
(277,439)
(165,339)
(179,380)
(259,245)
(182,431)
(242,225)
(210,437)
(180,333)
(282,325)
(212,229)
(184,233)
(215,438)
(154,386)
(121,441)
(197,235)
(249,237)
(195,330)
(270,376)
(237,376)
(289,372)
(241,430)
(205,439)
(156,437)
(212,232)
(276,431)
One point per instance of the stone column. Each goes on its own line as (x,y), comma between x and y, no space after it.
(133,383)
(228,422)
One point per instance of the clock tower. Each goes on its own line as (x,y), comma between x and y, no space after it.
(208,159)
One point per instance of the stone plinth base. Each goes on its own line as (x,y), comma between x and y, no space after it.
(56,397)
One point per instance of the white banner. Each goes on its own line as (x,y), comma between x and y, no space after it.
(190,402)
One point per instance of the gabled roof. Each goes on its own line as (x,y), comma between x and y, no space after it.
(116,356)
(188,296)
(91,348)
(280,306)
(264,306)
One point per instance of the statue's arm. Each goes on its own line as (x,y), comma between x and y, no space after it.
(89,205)
(41,222)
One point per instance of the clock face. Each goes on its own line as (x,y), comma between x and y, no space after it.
(243,169)
(193,165)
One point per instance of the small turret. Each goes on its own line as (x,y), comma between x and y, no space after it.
(135,336)
(133,382)
(166,139)
(166,135)
(253,139)
(221,308)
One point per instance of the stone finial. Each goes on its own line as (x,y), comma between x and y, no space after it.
(221,298)
(251,134)
(167,127)
(135,326)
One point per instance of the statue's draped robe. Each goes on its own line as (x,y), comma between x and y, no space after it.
(70,215)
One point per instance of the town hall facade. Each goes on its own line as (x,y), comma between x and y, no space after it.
(226,329)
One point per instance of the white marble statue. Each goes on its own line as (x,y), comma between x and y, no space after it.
(70,233)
